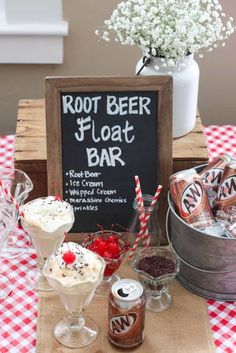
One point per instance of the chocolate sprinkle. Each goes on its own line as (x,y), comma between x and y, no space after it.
(156,266)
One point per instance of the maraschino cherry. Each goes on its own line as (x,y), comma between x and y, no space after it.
(106,247)
(57,198)
(69,257)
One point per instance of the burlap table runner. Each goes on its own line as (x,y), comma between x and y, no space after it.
(183,328)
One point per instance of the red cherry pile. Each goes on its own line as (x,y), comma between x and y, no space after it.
(106,247)
(110,248)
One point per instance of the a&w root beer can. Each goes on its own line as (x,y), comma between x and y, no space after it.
(126,313)
(213,172)
(190,198)
(227,192)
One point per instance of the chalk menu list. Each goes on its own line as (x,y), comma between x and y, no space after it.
(107,138)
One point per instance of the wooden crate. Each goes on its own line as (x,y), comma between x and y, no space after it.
(31,154)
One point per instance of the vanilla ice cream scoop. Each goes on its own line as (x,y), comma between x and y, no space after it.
(47,219)
(74,272)
(48,214)
(73,264)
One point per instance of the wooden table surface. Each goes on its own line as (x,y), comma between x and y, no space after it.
(183,328)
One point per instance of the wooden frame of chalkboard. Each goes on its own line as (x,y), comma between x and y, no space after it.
(101,131)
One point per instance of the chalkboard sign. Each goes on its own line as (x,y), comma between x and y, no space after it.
(101,132)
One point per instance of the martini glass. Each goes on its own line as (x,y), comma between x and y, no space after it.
(45,241)
(19,185)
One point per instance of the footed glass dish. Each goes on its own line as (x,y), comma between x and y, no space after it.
(75,330)
(112,247)
(156,268)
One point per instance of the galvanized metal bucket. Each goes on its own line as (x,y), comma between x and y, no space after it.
(208,263)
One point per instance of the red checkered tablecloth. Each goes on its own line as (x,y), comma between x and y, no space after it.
(220,140)
(223,324)
(18,312)
(7,145)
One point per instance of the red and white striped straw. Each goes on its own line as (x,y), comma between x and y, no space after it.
(146,236)
(139,199)
(138,191)
(12,200)
(143,217)
(156,196)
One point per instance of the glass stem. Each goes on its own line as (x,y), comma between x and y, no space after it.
(40,263)
(156,296)
(75,320)
(107,279)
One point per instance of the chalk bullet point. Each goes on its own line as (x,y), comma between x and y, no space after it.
(67,173)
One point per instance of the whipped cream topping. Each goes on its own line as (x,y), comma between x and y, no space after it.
(86,266)
(48,214)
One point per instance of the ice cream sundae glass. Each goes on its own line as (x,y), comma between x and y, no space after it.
(74,272)
(46,220)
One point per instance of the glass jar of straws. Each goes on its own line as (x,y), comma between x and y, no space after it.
(149,233)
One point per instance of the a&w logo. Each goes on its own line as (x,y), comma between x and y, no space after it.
(212,177)
(227,188)
(121,324)
(191,198)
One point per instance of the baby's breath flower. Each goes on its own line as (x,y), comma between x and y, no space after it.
(169,29)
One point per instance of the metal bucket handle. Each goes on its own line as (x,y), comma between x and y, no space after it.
(184,261)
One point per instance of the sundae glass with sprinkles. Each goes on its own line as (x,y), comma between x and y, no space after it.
(75,272)
(46,220)
(156,268)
